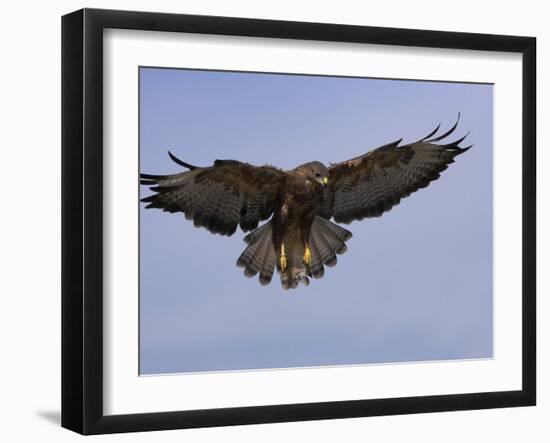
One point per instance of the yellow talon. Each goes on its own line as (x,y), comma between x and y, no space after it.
(307,256)
(282,259)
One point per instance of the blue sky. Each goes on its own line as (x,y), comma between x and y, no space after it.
(415,284)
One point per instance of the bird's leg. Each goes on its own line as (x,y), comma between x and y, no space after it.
(307,255)
(282,258)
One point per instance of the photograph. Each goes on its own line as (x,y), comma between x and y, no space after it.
(297,219)
(291,220)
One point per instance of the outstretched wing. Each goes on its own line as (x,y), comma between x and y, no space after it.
(369,185)
(220,197)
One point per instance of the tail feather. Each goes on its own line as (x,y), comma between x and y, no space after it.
(316,267)
(332,229)
(327,254)
(326,240)
(255,235)
(268,266)
(259,255)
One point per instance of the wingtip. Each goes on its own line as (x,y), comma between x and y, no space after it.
(430,134)
(456,142)
(149,179)
(446,134)
(456,151)
(181,162)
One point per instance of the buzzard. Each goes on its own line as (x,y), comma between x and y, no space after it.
(299,239)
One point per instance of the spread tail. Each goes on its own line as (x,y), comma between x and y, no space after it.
(326,240)
(259,255)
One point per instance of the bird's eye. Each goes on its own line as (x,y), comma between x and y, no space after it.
(317,175)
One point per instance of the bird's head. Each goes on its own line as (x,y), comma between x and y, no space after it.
(315,172)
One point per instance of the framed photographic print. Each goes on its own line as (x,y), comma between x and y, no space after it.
(269,221)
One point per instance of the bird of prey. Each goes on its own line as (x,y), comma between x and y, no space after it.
(299,239)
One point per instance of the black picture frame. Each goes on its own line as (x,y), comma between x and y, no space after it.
(82,215)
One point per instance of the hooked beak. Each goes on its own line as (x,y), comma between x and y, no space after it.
(323,181)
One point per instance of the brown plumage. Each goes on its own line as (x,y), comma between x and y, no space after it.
(299,240)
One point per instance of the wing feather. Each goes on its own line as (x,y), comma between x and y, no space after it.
(220,197)
(371,184)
